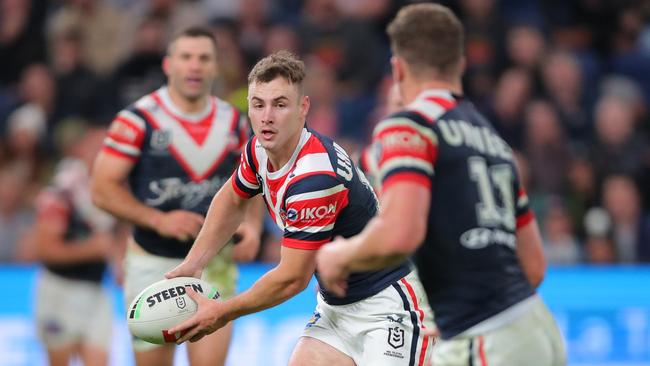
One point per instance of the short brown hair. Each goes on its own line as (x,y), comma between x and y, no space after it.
(281,63)
(194,32)
(427,36)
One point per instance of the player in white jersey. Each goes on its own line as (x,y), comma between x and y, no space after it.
(74,241)
(314,192)
(452,198)
(163,159)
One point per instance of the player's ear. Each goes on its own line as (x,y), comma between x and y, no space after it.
(397,68)
(165,65)
(304,105)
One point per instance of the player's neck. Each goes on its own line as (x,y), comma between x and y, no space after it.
(186,105)
(412,87)
(278,158)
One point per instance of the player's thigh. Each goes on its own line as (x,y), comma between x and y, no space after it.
(156,356)
(313,352)
(221,272)
(92,355)
(141,269)
(212,349)
(453,352)
(61,356)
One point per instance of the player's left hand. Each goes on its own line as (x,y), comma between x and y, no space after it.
(207,319)
(331,267)
(249,243)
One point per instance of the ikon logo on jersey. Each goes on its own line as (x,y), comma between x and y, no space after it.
(403,140)
(311,213)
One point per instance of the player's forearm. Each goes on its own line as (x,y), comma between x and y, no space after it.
(70,252)
(378,246)
(116,199)
(226,212)
(270,290)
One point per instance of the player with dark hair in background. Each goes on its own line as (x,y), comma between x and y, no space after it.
(174,148)
(75,241)
(451,196)
(314,192)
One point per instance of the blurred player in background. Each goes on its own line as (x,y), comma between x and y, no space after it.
(74,240)
(174,148)
(313,192)
(451,196)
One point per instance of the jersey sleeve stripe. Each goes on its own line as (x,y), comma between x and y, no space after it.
(525,218)
(405,162)
(245,182)
(310,229)
(132,119)
(121,147)
(241,190)
(315,194)
(407,176)
(303,244)
(111,151)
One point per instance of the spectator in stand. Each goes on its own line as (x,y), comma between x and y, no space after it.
(16,216)
(560,244)
(630,225)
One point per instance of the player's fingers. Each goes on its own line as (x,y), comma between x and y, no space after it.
(195,218)
(194,295)
(197,337)
(188,336)
(184,327)
(430,332)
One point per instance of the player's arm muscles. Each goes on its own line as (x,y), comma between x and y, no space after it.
(531,252)
(110,192)
(396,232)
(226,213)
(290,277)
(52,248)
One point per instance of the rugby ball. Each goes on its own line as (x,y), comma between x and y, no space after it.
(163,305)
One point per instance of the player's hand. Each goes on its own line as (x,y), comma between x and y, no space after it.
(249,243)
(207,319)
(104,244)
(178,224)
(185,269)
(331,267)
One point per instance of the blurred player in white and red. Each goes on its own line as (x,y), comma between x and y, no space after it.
(451,197)
(75,241)
(314,192)
(164,158)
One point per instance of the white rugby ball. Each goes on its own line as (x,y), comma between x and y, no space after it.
(163,305)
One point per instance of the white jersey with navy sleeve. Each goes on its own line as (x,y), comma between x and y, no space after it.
(181,160)
(317,195)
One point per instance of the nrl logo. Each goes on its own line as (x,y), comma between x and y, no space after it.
(180,302)
(396,337)
(160,139)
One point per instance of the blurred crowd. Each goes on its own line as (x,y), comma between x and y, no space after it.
(566,83)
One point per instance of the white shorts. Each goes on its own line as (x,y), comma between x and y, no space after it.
(532,339)
(72,312)
(141,269)
(384,329)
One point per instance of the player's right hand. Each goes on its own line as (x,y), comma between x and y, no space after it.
(179,224)
(185,269)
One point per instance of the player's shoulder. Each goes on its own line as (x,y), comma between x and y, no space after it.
(316,155)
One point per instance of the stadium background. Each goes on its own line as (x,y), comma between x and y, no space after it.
(566,82)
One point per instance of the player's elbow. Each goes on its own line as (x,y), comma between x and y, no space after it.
(535,271)
(296,284)
(97,194)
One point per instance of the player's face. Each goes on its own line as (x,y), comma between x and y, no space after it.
(277,111)
(191,66)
